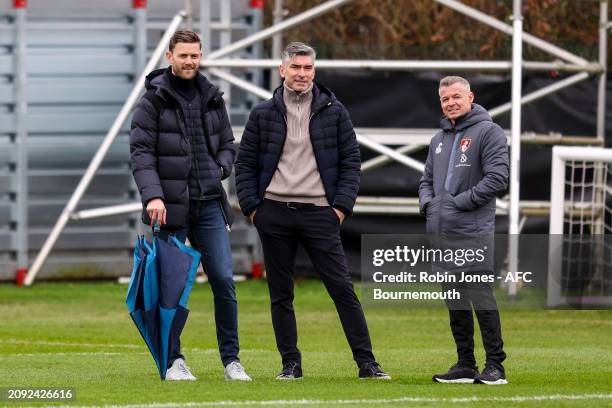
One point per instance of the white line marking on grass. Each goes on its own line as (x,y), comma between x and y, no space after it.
(61,343)
(103,353)
(460,400)
(111,345)
(242,351)
(76,353)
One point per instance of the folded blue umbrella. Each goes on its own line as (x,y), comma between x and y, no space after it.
(162,279)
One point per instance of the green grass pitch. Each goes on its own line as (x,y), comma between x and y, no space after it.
(79,335)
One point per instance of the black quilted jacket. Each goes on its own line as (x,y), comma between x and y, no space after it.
(333,139)
(160,152)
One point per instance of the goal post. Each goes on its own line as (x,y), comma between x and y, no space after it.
(580,257)
(561,156)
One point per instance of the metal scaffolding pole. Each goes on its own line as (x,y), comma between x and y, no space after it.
(382,149)
(21,139)
(406,65)
(256,12)
(381,160)
(515,148)
(140,36)
(107,211)
(241,83)
(540,93)
(225,39)
(189,14)
(140,60)
(277,44)
(599,176)
(102,150)
(603,60)
(205,23)
(270,31)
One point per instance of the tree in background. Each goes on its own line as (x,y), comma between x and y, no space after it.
(424,29)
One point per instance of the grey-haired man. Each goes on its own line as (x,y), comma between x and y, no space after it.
(297,176)
(467,166)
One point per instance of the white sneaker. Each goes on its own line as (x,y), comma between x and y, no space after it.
(234,371)
(179,372)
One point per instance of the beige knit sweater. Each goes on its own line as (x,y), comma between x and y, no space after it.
(297,178)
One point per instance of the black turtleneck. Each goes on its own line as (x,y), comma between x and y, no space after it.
(185,87)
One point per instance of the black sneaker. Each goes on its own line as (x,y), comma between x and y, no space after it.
(373,370)
(457,374)
(491,376)
(291,371)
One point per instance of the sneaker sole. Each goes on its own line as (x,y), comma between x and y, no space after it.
(455,381)
(288,379)
(376,378)
(238,379)
(501,381)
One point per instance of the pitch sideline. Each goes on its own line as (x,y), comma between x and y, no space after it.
(459,400)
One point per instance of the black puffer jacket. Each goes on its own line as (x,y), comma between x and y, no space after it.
(333,140)
(480,173)
(160,150)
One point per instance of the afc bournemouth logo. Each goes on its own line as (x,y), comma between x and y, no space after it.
(464,145)
(439,148)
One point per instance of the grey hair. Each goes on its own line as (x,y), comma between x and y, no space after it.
(450,80)
(297,48)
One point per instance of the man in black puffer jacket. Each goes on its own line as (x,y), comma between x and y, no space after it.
(181,146)
(297,177)
(466,168)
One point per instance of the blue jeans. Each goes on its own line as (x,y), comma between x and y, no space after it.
(208,235)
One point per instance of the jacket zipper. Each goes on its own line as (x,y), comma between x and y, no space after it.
(312,114)
(445,193)
(285,139)
(452,142)
(193,151)
(181,124)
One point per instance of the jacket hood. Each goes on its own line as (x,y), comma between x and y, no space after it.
(321,96)
(476,115)
(159,81)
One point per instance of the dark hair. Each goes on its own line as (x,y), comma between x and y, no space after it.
(183,36)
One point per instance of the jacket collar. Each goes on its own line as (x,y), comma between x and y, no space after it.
(160,81)
(321,96)
(476,115)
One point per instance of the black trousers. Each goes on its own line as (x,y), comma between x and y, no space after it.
(317,229)
(479,297)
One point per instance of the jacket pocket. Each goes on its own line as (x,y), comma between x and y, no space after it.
(454,221)
(432,215)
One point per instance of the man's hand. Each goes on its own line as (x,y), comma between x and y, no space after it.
(252,216)
(340,215)
(157,211)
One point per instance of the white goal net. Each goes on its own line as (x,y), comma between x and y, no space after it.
(580,252)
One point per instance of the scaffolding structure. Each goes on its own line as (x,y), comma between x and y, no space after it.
(218,64)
